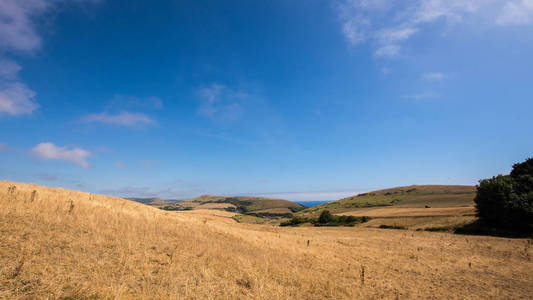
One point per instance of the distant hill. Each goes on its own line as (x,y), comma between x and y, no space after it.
(248,204)
(153,200)
(406,196)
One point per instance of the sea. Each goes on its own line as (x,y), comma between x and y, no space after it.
(312,203)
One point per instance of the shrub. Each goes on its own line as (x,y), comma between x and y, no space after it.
(325,217)
(507,200)
(294,221)
(383,226)
(332,220)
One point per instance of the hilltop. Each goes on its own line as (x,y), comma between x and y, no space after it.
(148,201)
(256,206)
(413,196)
(63,244)
(249,204)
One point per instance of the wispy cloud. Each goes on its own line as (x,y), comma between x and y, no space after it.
(516,13)
(422,96)
(389,24)
(17,26)
(433,76)
(220,102)
(18,34)
(49,151)
(16,99)
(388,51)
(129,119)
(120,101)
(9,69)
(120,165)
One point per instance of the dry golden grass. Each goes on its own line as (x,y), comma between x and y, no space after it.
(412,212)
(57,243)
(413,223)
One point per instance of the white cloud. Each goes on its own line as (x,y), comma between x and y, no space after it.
(17,27)
(395,35)
(18,20)
(18,34)
(422,96)
(123,119)
(16,99)
(388,51)
(221,103)
(77,156)
(9,69)
(355,30)
(388,24)
(516,13)
(131,102)
(433,76)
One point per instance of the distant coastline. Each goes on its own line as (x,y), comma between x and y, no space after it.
(312,203)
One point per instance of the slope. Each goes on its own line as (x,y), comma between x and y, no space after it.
(63,244)
(414,196)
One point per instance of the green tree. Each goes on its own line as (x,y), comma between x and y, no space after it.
(507,200)
(325,217)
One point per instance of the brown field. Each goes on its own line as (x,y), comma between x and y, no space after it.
(397,211)
(448,223)
(57,243)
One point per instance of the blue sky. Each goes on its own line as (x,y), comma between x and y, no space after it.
(303,100)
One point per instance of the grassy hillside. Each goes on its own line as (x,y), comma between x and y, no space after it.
(62,244)
(247,204)
(408,196)
(148,201)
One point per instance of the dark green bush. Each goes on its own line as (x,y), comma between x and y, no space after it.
(295,221)
(383,226)
(507,200)
(325,217)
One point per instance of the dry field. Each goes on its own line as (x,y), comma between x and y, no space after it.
(56,243)
(413,212)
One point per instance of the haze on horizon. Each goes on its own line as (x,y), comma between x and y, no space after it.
(303,100)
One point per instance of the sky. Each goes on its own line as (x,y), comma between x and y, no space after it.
(302,100)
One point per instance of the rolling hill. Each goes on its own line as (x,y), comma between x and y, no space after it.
(247,204)
(63,244)
(148,201)
(414,196)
